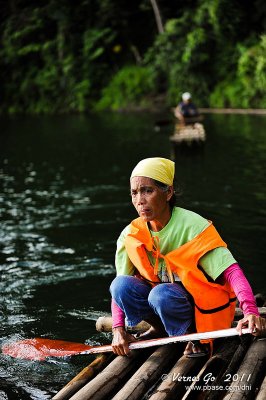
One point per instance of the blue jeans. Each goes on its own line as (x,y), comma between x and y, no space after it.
(139,301)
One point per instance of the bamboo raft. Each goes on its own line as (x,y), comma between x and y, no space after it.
(235,371)
(188,134)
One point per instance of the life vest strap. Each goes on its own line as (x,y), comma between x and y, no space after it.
(216,309)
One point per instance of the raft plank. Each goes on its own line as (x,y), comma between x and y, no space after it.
(111,378)
(236,360)
(104,324)
(250,373)
(174,384)
(149,373)
(262,393)
(239,312)
(83,377)
(213,369)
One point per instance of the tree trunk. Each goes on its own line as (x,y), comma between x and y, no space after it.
(157,16)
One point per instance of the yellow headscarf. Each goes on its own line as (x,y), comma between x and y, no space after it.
(160,169)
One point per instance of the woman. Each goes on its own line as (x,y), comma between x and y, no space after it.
(173,269)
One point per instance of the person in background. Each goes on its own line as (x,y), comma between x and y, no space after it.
(186,109)
(174,271)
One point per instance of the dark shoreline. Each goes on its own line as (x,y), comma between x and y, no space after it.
(256,111)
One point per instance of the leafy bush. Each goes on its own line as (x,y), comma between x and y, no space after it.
(131,86)
(228,93)
(246,86)
(252,72)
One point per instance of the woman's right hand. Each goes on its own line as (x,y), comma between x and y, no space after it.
(121,339)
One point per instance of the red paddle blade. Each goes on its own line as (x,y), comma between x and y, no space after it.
(40,348)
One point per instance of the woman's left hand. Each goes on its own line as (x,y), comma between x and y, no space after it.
(255,324)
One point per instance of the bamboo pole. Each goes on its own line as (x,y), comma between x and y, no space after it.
(104,324)
(262,393)
(213,369)
(174,383)
(239,312)
(110,378)
(83,377)
(250,373)
(256,111)
(148,373)
(236,360)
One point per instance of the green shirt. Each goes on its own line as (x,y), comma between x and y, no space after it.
(183,226)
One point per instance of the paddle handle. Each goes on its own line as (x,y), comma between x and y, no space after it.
(141,344)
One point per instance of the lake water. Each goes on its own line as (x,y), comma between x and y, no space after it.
(65,198)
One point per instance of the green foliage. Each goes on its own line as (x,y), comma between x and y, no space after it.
(210,52)
(47,67)
(179,60)
(246,87)
(252,72)
(129,87)
(227,93)
(61,56)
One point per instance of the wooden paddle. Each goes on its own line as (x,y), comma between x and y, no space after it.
(41,348)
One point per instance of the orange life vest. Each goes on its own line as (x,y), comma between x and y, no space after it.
(214,303)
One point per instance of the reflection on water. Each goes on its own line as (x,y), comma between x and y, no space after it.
(64,199)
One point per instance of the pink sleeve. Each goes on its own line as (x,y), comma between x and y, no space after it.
(117,315)
(235,276)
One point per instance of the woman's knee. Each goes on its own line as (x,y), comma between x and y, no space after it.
(129,287)
(157,297)
(163,296)
(120,285)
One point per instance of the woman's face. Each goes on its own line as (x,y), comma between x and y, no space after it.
(150,201)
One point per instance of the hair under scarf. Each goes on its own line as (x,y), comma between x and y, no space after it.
(160,169)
